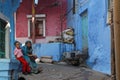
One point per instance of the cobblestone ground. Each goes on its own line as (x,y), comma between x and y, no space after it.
(65,72)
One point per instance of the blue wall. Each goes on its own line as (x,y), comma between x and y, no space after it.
(98,32)
(52,49)
(7,8)
(48,49)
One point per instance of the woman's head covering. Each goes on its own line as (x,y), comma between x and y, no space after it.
(28,42)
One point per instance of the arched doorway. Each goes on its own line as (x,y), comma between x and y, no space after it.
(4,37)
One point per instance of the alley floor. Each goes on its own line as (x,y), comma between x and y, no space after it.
(65,72)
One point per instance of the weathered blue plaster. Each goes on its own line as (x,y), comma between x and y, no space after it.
(98,32)
(51,49)
(67,47)
(7,8)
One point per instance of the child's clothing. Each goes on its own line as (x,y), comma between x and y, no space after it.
(30,59)
(19,56)
(18,53)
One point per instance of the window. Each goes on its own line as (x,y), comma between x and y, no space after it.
(2,38)
(39,27)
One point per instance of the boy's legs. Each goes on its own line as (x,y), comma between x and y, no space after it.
(25,66)
(28,68)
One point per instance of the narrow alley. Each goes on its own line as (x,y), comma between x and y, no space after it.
(65,72)
(68,39)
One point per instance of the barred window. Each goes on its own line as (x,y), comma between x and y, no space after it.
(39,26)
(2,38)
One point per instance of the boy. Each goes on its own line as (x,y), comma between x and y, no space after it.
(19,56)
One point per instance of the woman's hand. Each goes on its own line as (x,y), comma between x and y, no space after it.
(30,55)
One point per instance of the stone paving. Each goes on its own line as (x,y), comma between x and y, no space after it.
(65,72)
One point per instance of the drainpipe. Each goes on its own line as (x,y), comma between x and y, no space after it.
(116,17)
(7,41)
(33,21)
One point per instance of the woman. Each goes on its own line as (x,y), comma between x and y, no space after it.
(30,58)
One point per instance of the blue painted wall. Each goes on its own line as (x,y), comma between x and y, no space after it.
(48,49)
(7,8)
(52,49)
(98,32)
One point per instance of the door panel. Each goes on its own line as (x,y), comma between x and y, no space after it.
(84,22)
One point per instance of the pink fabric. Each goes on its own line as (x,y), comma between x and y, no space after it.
(18,53)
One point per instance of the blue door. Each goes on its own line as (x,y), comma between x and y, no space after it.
(84,23)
